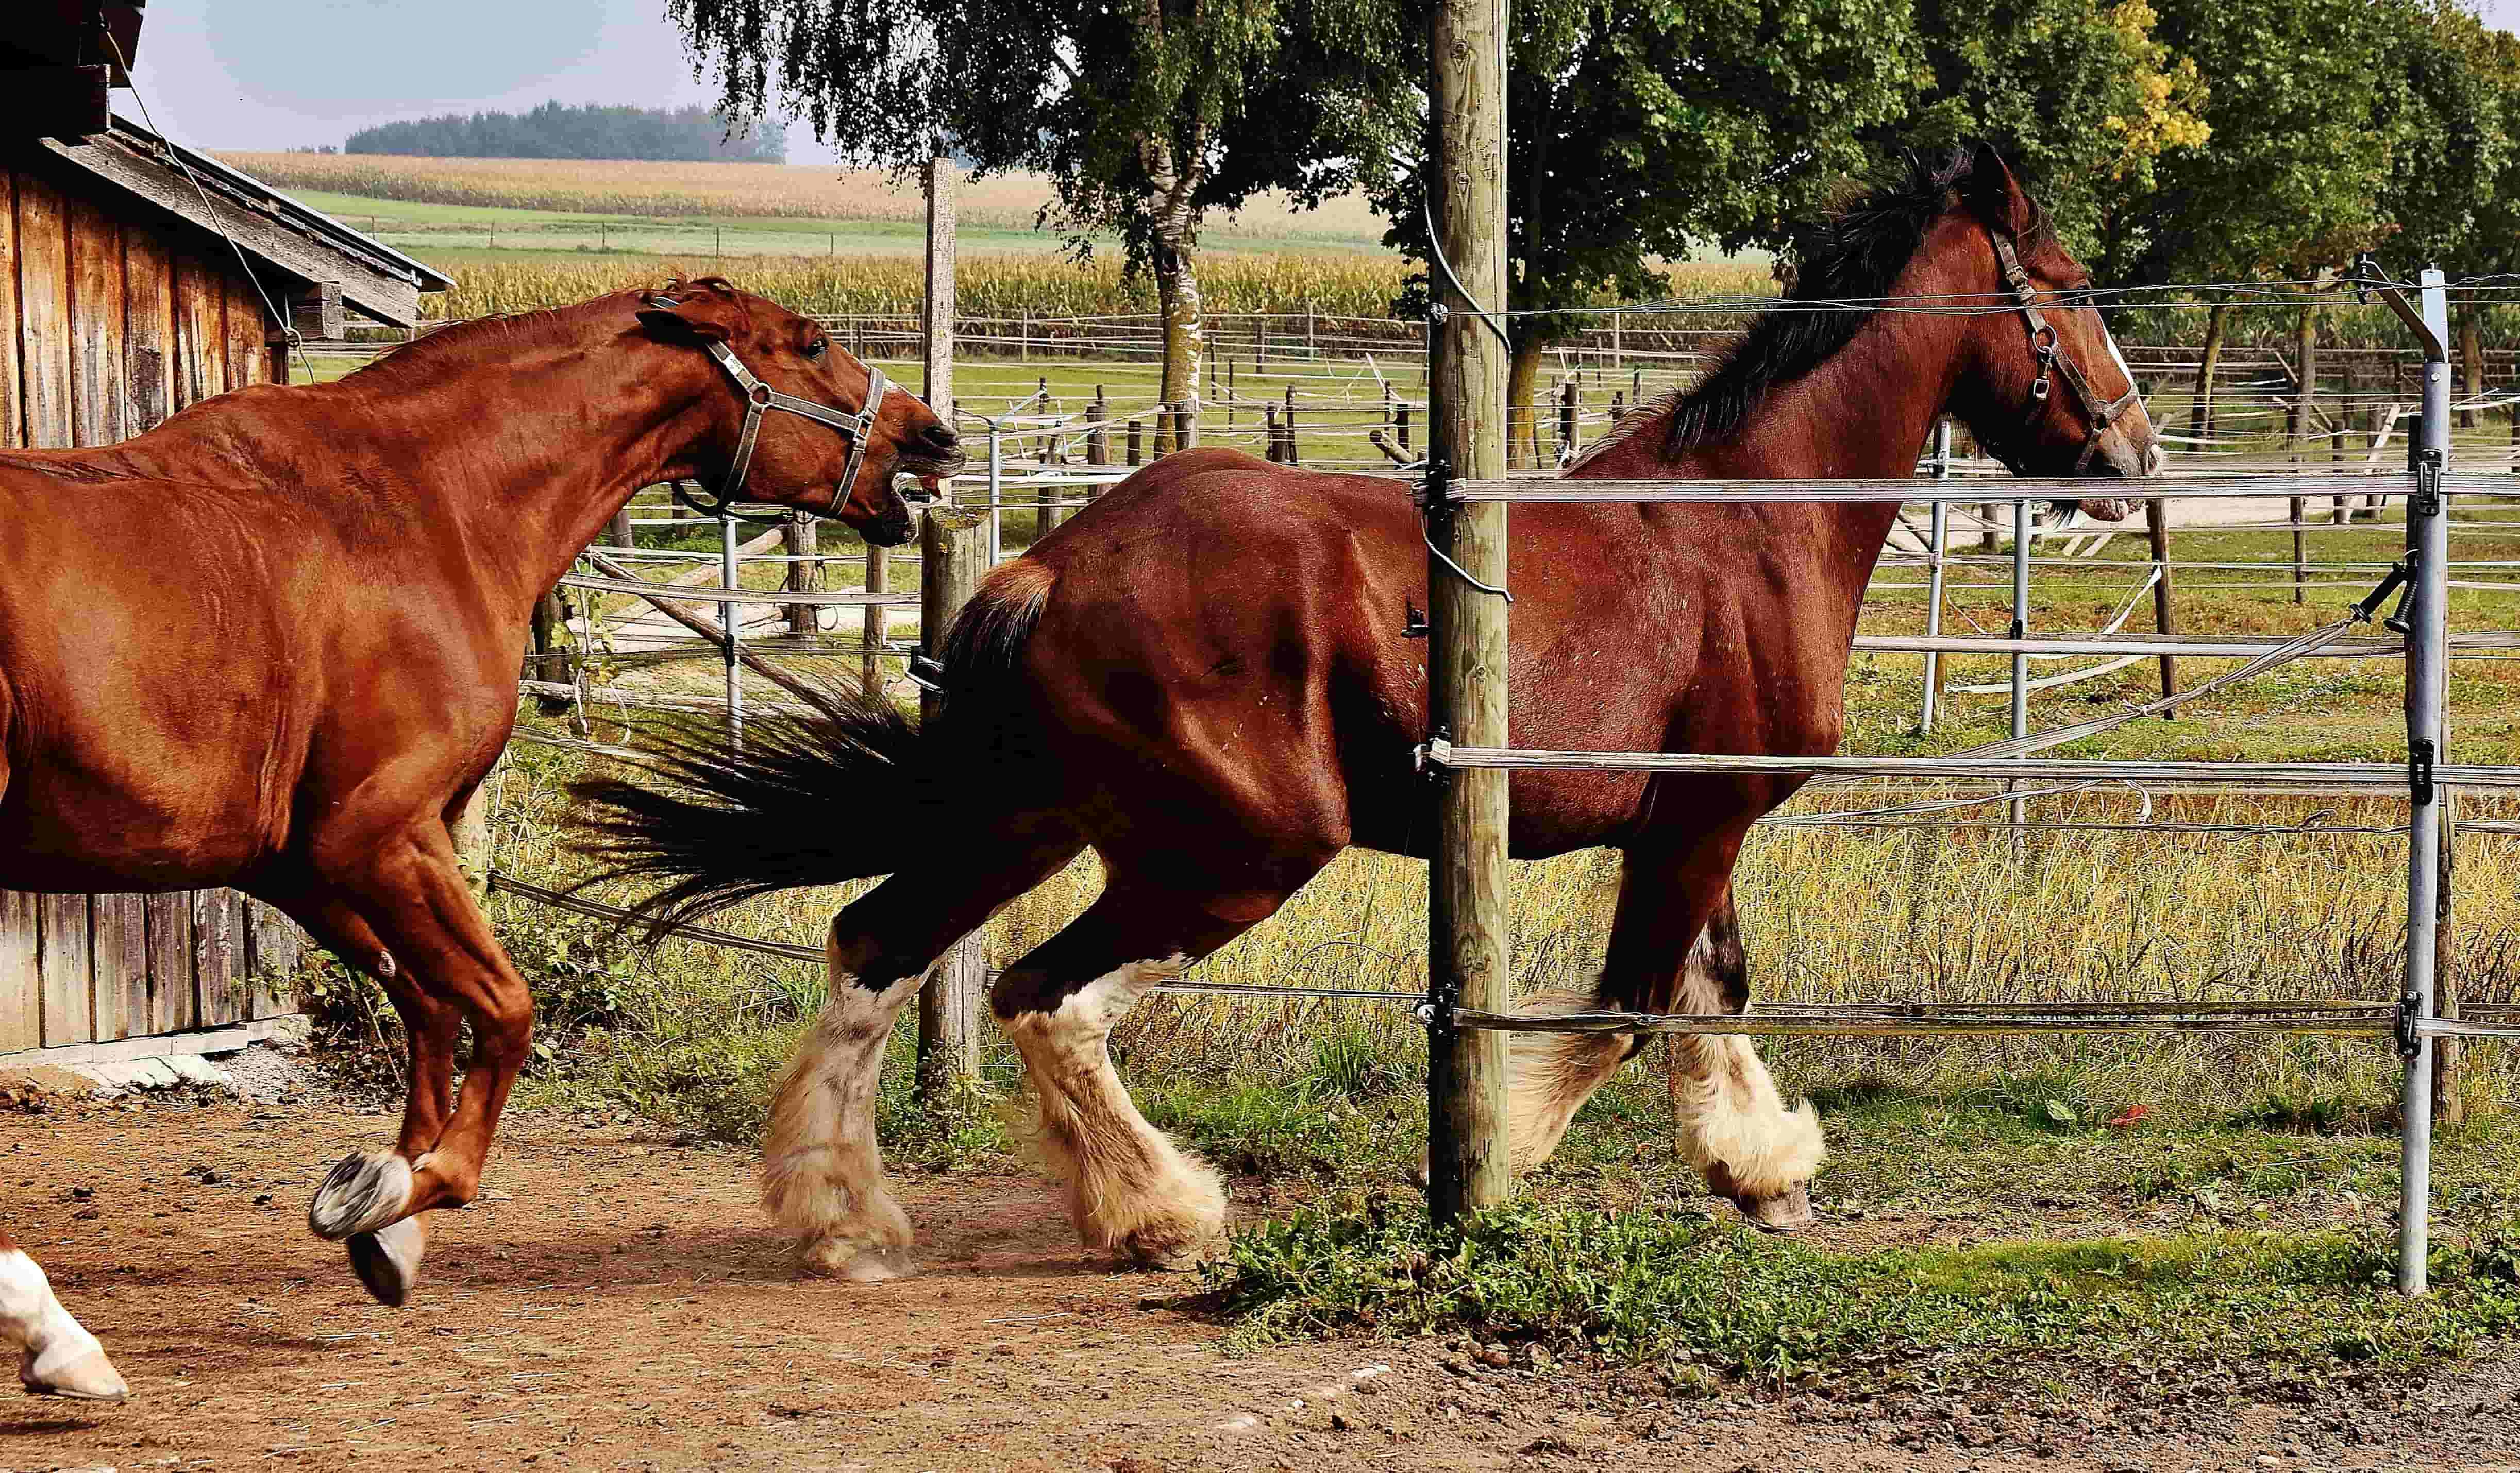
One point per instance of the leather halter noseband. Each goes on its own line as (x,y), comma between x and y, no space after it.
(760,398)
(2048,349)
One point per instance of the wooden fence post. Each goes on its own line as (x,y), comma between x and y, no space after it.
(802,540)
(1294,456)
(953,557)
(1098,440)
(1566,420)
(1137,442)
(1469,918)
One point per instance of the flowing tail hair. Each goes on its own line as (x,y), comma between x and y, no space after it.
(711,822)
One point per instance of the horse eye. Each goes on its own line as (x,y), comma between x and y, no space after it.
(815,348)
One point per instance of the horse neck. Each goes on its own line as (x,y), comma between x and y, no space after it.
(524,453)
(1863,413)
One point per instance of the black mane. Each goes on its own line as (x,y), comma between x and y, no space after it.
(1855,252)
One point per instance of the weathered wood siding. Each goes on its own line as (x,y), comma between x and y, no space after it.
(108,324)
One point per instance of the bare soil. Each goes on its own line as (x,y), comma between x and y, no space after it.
(617,1301)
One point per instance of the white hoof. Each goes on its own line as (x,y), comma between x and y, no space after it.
(366,1191)
(73,1368)
(387,1260)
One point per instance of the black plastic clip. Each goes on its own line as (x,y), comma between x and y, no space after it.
(1414,625)
(2428,483)
(925,673)
(1422,757)
(2420,754)
(2409,1024)
(2399,572)
(2365,271)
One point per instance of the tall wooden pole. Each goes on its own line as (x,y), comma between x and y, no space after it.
(954,555)
(1470,951)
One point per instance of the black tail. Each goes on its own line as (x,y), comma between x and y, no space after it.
(716,822)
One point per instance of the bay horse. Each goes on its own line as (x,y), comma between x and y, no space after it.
(1206,676)
(56,1355)
(273,643)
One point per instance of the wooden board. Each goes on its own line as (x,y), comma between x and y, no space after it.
(100,398)
(44,313)
(22,989)
(118,929)
(173,1002)
(248,356)
(274,947)
(12,429)
(70,1010)
(200,332)
(149,326)
(214,959)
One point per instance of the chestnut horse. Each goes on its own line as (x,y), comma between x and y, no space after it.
(1207,678)
(56,1355)
(273,643)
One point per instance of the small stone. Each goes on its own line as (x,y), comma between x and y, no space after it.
(1338,1422)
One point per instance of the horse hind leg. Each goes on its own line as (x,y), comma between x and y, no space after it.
(56,1357)
(822,1172)
(1131,1192)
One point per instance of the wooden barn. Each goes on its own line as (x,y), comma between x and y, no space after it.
(136,277)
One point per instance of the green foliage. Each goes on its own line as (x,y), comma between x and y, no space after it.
(557,130)
(1656,1286)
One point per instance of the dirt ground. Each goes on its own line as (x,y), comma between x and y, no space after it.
(619,1302)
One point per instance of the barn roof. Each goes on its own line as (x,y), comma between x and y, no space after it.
(302,248)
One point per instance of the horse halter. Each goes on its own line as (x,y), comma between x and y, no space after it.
(2048,349)
(759,399)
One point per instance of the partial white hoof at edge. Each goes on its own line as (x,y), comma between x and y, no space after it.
(856,1263)
(75,1368)
(366,1191)
(387,1260)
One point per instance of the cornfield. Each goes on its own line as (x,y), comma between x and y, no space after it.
(1344,284)
(732,191)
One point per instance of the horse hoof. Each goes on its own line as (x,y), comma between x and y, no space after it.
(857,1264)
(363,1193)
(387,1260)
(1786,1212)
(1172,1251)
(83,1374)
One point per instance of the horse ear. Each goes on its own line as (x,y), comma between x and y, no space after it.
(680,320)
(1994,194)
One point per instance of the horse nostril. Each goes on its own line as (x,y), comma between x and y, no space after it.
(940,436)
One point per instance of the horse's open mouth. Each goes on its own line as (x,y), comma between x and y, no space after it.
(924,466)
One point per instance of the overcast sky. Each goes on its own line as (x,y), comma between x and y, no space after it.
(264,74)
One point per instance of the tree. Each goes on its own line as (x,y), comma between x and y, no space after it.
(558,130)
(1640,132)
(2306,119)
(2081,96)
(2450,201)
(1148,115)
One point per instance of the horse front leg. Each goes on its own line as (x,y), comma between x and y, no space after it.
(437,949)
(56,1355)
(1676,947)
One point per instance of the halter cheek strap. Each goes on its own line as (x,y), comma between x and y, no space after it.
(760,398)
(2046,348)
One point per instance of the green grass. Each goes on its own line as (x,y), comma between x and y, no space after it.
(1660,1287)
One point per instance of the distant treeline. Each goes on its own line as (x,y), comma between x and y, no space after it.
(557,131)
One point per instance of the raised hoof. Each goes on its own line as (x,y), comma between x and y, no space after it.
(857,1264)
(1789,1212)
(83,1374)
(387,1260)
(364,1193)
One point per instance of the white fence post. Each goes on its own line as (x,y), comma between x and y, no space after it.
(2427,659)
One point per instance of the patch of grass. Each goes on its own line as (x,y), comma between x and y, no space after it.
(1674,1288)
